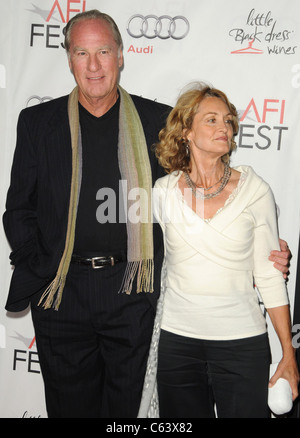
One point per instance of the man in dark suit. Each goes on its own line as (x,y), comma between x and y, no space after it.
(79,272)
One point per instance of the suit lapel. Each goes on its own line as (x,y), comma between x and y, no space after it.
(57,159)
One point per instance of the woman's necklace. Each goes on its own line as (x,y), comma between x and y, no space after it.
(199,194)
(208,188)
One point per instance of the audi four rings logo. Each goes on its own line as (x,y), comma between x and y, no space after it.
(34,100)
(163,27)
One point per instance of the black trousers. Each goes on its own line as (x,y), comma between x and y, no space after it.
(203,379)
(93,350)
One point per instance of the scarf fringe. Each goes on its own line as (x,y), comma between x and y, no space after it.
(145,276)
(144,270)
(54,288)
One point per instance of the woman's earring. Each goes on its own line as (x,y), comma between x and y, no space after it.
(187,146)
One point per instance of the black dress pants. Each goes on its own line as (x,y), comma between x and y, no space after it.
(93,350)
(203,379)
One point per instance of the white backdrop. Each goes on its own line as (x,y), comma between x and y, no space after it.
(248,48)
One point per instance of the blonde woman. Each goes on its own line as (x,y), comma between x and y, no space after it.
(219,227)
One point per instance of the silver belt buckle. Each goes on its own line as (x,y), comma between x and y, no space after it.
(93,262)
(112,262)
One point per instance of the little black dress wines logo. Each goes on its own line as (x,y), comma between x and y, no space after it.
(262,33)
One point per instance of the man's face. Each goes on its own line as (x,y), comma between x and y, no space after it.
(95,61)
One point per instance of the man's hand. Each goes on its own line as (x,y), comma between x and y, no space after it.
(282,258)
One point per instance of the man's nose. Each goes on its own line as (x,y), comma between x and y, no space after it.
(94,62)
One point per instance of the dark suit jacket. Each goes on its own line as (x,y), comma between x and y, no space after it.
(35,220)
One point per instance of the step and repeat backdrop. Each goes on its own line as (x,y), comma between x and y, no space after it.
(248,48)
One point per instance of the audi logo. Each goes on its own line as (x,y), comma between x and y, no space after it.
(34,100)
(163,27)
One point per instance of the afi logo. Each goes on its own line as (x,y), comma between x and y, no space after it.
(269,106)
(271,111)
(47,35)
(28,357)
(56,6)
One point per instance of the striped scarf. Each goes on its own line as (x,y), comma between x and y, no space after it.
(135,169)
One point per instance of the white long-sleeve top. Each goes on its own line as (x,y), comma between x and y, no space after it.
(211,267)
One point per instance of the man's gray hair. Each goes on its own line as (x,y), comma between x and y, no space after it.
(90,15)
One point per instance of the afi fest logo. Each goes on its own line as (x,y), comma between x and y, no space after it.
(26,358)
(270,132)
(262,29)
(50,32)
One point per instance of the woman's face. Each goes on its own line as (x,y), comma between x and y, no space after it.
(212,128)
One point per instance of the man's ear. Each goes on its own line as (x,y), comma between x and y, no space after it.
(121,57)
(70,63)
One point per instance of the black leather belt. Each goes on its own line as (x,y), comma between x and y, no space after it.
(98,262)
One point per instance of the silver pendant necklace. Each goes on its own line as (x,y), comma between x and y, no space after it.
(197,191)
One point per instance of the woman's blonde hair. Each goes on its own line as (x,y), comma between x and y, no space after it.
(172,151)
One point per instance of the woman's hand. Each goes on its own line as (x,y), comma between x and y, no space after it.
(282,258)
(287,369)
